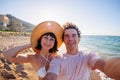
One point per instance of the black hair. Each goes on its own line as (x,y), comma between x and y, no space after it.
(53,49)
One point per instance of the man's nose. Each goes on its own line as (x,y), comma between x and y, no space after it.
(70,38)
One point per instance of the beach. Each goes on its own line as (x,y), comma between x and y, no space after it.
(12,71)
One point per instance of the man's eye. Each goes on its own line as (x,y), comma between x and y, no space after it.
(66,36)
(74,35)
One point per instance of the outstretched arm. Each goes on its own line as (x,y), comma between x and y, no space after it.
(12,54)
(110,67)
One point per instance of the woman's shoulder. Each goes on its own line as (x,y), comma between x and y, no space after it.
(59,56)
(32,55)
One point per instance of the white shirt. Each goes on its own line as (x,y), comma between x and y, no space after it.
(73,67)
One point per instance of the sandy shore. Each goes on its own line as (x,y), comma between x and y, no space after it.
(13,71)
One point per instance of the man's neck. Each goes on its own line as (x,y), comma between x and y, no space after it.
(72,52)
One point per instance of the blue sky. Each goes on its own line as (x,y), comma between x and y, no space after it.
(96,17)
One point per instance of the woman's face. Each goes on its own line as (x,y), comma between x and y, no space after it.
(47,42)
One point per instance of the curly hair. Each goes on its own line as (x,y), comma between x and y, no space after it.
(70,25)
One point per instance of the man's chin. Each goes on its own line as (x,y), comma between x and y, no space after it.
(71,47)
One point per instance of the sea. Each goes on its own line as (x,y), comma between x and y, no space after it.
(104,46)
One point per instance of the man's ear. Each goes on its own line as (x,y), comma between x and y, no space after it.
(78,39)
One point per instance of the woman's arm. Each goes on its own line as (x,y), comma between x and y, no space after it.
(13,55)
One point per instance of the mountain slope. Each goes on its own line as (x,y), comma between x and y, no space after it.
(28,26)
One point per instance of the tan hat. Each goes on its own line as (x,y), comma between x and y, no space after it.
(44,27)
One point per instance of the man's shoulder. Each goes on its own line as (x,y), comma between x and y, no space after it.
(60,56)
(87,53)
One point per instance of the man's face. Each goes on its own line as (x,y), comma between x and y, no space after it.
(71,39)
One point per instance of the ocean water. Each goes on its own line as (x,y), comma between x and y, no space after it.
(105,46)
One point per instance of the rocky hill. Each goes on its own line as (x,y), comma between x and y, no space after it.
(28,26)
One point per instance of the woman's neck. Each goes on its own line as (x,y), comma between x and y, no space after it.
(44,53)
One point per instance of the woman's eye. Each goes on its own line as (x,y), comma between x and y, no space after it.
(46,37)
(52,39)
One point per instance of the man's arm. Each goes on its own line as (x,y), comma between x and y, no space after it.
(110,67)
(50,76)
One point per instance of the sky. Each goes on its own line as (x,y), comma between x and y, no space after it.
(93,17)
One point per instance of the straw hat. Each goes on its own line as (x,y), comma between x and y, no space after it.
(44,27)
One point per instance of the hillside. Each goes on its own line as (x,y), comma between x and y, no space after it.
(28,26)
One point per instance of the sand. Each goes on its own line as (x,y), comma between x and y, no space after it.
(12,71)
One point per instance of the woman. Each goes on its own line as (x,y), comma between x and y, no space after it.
(45,39)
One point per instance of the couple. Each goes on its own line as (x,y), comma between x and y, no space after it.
(73,65)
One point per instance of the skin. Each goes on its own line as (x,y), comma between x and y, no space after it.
(110,67)
(36,60)
(71,41)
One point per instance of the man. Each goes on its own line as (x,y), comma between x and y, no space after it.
(77,65)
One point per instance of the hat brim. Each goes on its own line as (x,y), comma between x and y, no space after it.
(44,27)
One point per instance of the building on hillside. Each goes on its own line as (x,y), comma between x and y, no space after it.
(4,22)
(8,22)
(16,25)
